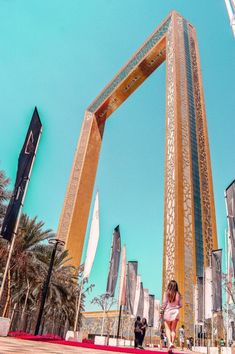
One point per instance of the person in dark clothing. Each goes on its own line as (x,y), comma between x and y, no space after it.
(143,331)
(137,331)
(162,336)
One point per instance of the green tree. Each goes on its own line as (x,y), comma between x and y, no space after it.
(28,269)
(105,302)
(26,276)
(4,194)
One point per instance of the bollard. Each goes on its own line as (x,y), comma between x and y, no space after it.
(4,326)
(208,347)
(233,348)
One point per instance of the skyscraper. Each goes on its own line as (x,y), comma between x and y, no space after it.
(189,215)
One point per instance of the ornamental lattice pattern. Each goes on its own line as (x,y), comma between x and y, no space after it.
(130,66)
(170,163)
(187,187)
(70,197)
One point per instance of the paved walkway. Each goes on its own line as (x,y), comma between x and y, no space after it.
(10,345)
(14,346)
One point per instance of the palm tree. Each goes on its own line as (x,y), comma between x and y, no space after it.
(25,266)
(4,194)
(62,292)
(27,272)
(4,197)
(28,269)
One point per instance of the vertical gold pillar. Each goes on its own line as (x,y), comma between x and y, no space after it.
(179,246)
(74,217)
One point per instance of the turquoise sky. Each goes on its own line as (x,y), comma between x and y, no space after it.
(59,55)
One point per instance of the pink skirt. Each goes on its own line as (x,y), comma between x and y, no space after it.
(171,314)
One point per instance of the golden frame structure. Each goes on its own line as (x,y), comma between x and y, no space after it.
(189,215)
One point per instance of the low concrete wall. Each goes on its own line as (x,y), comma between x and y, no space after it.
(4,326)
(74,336)
(200,349)
(101,340)
(226,350)
(213,350)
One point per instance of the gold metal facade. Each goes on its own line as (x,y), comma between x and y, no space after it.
(189,215)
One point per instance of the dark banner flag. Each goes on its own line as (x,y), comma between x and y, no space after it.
(230,205)
(25,163)
(132,267)
(114,262)
(216,262)
(151,310)
(140,309)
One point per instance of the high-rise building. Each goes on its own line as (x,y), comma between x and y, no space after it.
(189,215)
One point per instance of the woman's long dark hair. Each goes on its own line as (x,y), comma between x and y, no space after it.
(172,290)
(144,321)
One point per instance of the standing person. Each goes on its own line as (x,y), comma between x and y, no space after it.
(165,340)
(222,342)
(172,302)
(191,342)
(182,337)
(137,331)
(162,335)
(143,331)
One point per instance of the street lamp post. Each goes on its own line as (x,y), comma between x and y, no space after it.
(54,242)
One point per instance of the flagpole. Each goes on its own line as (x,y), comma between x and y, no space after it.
(90,255)
(194,322)
(13,313)
(105,301)
(227,273)
(119,321)
(122,287)
(11,247)
(78,307)
(203,307)
(120,309)
(113,267)
(17,222)
(212,312)
(227,259)
(212,328)
(102,327)
(226,234)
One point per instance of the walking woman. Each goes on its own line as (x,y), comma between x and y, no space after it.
(172,302)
